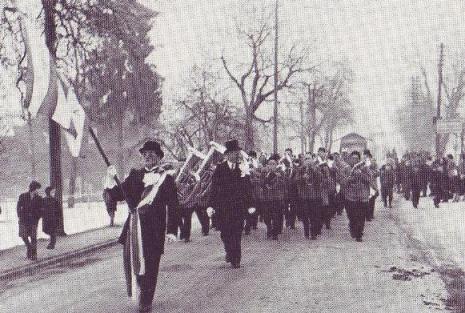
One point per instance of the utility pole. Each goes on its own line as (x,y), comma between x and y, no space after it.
(438,113)
(54,128)
(275,115)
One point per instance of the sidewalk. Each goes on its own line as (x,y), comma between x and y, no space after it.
(83,217)
(13,261)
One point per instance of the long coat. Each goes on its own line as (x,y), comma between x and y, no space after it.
(29,212)
(153,218)
(230,195)
(50,213)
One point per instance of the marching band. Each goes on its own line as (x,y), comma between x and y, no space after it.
(235,190)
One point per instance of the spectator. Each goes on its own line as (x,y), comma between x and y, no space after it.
(28,210)
(50,215)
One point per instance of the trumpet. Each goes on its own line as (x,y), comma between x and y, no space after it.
(360,165)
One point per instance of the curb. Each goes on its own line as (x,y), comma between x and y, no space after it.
(32,268)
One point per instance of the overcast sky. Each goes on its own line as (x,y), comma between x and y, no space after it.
(383,41)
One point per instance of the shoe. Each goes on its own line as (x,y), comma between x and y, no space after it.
(359,239)
(144,308)
(328,226)
(292,227)
(275,237)
(187,240)
(247,232)
(236,265)
(368,219)
(313,237)
(227,259)
(50,247)
(307,237)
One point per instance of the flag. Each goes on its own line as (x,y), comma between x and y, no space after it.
(41,77)
(70,115)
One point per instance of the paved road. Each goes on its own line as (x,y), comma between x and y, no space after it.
(333,274)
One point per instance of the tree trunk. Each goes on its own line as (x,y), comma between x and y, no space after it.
(249,131)
(312,117)
(32,147)
(72,182)
(120,134)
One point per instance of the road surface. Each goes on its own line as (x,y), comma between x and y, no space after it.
(332,274)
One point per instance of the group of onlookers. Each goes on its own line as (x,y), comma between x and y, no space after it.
(31,208)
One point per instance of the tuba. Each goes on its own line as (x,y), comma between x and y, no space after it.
(195,175)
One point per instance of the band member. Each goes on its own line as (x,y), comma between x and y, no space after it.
(329,188)
(149,192)
(230,199)
(274,194)
(292,201)
(356,182)
(308,181)
(257,199)
(415,180)
(251,221)
(371,164)
(338,165)
(197,205)
(387,179)
(29,211)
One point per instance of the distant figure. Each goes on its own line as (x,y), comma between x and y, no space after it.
(50,213)
(111,206)
(29,210)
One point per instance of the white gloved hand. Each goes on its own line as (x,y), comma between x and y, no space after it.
(252,210)
(210,211)
(111,171)
(171,238)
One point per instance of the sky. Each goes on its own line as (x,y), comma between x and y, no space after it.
(383,41)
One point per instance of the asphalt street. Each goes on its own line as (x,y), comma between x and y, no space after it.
(332,274)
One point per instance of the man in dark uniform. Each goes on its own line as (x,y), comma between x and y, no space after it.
(308,180)
(275,193)
(230,199)
(356,181)
(149,193)
(29,212)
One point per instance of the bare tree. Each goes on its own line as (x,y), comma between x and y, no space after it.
(205,113)
(255,82)
(454,91)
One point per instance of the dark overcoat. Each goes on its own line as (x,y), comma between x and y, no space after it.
(231,195)
(50,213)
(153,221)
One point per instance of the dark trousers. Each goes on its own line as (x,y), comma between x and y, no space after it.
(148,282)
(53,240)
(251,221)
(30,240)
(290,213)
(416,196)
(273,217)
(339,202)
(231,235)
(329,211)
(186,221)
(371,208)
(387,195)
(356,212)
(312,216)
